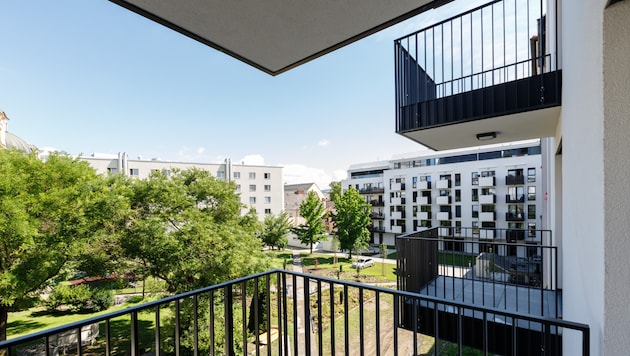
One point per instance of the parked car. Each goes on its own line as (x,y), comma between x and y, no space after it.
(362,263)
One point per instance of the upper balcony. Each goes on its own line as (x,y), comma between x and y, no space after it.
(491,73)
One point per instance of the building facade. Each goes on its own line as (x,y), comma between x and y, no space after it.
(497,186)
(259,187)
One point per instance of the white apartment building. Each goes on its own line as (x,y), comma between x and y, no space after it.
(496,186)
(259,187)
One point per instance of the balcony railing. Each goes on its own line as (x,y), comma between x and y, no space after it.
(266,313)
(371,190)
(514,180)
(496,59)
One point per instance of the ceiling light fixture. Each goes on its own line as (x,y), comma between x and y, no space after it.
(485,136)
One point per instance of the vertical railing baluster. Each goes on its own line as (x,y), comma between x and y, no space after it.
(177,327)
(195,325)
(244,315)
(307,316)
(295,316)
(361,324)
(211,322)
(320,334)
(346,321)
(378,322)
(228,303)
(157,330)
(396,316)
(332,316)
(255,310)
(108,338)
(134,335)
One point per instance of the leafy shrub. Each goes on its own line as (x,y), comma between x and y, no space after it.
(135,299)
(101,299)
(76,298)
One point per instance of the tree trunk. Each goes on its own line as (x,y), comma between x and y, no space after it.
(4,314)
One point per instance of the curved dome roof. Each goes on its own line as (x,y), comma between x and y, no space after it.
(13,141)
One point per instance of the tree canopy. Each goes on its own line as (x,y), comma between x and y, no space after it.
(275,230)
(351,220)
(49,209)
(313,230)
(186,229)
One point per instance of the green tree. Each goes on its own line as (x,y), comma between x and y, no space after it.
(48,210)
(187,230)
(275,230)
(351,220)
(313,230)
(335,191)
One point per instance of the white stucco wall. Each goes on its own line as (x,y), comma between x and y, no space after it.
(583,199)
(616,39)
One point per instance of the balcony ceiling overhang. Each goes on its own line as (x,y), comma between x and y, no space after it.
(514,127)
(277,35)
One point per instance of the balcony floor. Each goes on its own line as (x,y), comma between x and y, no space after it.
(510,297)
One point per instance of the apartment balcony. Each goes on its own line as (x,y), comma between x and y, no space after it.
(443,200)
(514,216)
(423,215)
(443,184)
(488,199)
(491,73)
(395,201)
(377,203)
(444,216)
(397,215)
(423,200)
(488,216)
(395,186)
(515,198)
(424,185)
(377,228)
(264,314)
(371,190)
(487,181)
(377,216)
(395,229)
(515,180)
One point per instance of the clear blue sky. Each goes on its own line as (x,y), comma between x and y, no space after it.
(90,76)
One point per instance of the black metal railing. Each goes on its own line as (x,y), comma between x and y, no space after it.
(280,313)
(488,267)
(371,190)
(500,54)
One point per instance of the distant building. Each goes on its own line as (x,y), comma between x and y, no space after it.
(259,187)
(497,186)
(9,140)
(294,195)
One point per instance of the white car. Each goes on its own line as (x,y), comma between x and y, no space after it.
(363,263)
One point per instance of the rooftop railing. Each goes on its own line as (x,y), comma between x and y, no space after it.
(281,313)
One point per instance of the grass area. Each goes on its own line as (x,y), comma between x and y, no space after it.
(455,259)
(380,272)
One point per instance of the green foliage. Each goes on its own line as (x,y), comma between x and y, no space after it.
(313,230)
(275,230)
(76,298)
(101,299)
(335,191)
(351,221)
(49,209)
(186,229)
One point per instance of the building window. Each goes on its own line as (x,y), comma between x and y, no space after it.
(267,175)
(531,175)
(267,188)
(532,229)
(414,182)
(445,177)
(252,200)
(134,172)
(475,178)
(267,200)
(112,170)
(458,195)
(221,174)
(425,208)
(531,211)
(475,195)
(167,172)
(475,211)
(237,175)
(531,193)
(425,178)
(458,211)
(252,175)
(487,173)
(238,187)
(515,193)
(252,187)
(267,211)
(515,172)
(458,179)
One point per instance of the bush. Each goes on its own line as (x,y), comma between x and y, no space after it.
(76,298)
(101,299)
